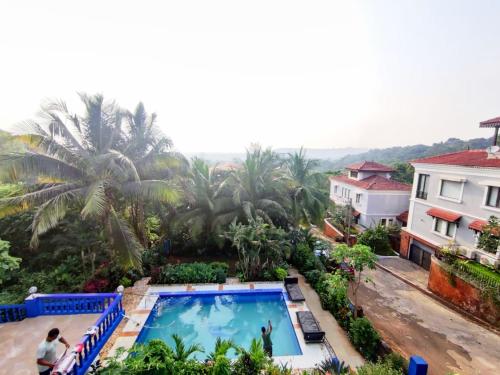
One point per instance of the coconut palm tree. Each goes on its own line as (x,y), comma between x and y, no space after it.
(206,210)
(257,187)
(153,158)
(75,162)
(308,199)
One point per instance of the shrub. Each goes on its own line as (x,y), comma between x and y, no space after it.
(192,273)
(397,362)
(332,292)
(364,337)
(280,273)
(379,368)
(313,277)
(377,239)
(304,259)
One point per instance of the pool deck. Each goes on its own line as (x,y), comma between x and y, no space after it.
(20,339)
(312,354)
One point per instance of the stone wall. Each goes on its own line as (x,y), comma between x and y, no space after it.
(462,294)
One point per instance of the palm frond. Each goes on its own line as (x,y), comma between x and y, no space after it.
(95,200)
(155,190)
(123,240)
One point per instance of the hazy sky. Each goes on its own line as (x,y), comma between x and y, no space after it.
(223,74)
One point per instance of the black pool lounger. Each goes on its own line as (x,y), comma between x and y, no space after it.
(293,290)
(310,327)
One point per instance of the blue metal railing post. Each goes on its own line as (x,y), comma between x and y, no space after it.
(33,308)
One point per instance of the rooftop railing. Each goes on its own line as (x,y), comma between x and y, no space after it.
(12,313)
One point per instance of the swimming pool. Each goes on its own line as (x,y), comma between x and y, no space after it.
(201,317)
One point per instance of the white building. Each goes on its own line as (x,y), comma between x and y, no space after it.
(375,198)
(453,196)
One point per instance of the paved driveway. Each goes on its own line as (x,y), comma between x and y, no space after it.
(417,324)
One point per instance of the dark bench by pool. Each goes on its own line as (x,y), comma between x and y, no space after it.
(310,327)
(293,290)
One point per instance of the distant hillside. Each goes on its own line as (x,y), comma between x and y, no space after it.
(312,153)
(403,154)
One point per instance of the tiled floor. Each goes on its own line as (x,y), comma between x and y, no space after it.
(19,340)
(312,353)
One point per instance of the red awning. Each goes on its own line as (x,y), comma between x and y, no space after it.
(403,217)
(478,225)
(445,215)
(355,213)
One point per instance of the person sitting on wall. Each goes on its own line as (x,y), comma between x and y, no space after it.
(46,354)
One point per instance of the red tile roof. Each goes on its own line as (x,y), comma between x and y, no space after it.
(468,158)
(491,123)
(445,215)
(373,183)
(478,225)
(403,217)
(370,166)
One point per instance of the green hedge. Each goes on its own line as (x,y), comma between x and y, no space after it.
(191,273)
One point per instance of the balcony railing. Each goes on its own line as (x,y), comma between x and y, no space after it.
(12,313)
(421,195)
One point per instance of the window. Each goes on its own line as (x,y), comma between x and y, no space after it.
(445,228)
(383,222)
(335,189)
(493,197)
(354,174)
(422,186)
(391,221)
(358,198)
(451,189)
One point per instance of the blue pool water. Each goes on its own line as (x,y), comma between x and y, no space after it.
(201,318)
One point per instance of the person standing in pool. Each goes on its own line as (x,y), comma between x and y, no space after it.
(266,339)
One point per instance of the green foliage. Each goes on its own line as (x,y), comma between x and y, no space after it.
(379,368)
(7,263)
(313,277)
(332,366)
(280,273)
(252,361)
(406,153)
(360,257)
(397,362)
(152,226)
(377,239)
(489,240)
(193,273)
(403,172)
(261,248)
(304,259)
(364,337)
(332,290)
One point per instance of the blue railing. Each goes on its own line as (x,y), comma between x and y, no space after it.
(12,313)
(90,345)
(108,304)
(69,304)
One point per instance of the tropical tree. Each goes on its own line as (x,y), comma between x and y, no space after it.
(359,257)
(221,365)
(309,200)
(261,247)
(181,352)
(257,188)
(75,162)
(152,155)
(7,263)
(206,210)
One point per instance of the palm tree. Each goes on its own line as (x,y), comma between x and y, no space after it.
(75,162)
(309,200)
(181,352)
(153,158)
(221,365)
(257,188)
(206,210)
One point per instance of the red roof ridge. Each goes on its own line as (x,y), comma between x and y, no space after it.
(466,158)
(374,182)
(369,166)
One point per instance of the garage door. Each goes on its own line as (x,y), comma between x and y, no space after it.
(420,256)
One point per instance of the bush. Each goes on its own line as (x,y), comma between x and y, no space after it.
(397,362)
(379,368)
(377,239)
(313,277)
(364,337)
(304,259)
(280,273)
(189,273)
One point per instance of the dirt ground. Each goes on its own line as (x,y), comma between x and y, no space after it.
(417,324)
